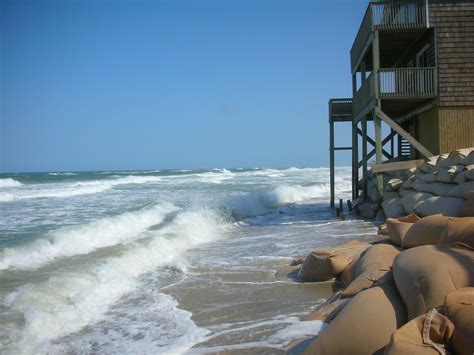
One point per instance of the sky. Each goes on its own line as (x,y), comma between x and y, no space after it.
(157,84)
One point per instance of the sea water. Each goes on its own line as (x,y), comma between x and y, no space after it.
(165,261)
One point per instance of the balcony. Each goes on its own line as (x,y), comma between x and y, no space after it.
(399,89)
(388,16)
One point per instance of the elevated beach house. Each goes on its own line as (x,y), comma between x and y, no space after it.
(412,65)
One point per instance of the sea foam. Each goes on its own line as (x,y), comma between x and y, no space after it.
(67,302)
(9,182)
(259,202)
(83,239)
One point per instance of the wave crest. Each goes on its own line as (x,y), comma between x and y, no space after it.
(9,182)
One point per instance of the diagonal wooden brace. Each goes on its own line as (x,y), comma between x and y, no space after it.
(418,146)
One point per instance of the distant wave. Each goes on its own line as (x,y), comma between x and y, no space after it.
(62,174)
(259,202)
(80,188)
(83,239)
(84,297)
(9,182)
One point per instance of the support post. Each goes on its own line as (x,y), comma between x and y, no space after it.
(331,156)
(377,120)
(355,161)
(364,158)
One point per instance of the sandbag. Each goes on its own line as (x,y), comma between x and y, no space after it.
(288,271)
(447,206)
(410,218)
(426,274)
(397,230)
(393,184)
(373,267)
(435,188)
(364,325)
(454,158)
(467,208)
(403,192)
(324,264)
(388,195)
(459,230)
(393,208)
(428,334)
(426,231)
(446,174)
(459,308)
(469,159)
(328,310)
(429,178)
(469,172)
(428,164)
(462,190)
(411,201)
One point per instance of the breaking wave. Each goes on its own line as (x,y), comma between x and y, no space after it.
(9,182)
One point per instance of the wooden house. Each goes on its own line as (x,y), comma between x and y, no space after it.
(412,65)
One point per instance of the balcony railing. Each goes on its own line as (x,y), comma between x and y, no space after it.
(398,83)
(407,82)
(392,15)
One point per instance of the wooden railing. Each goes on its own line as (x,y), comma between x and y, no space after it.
(364,95)
(407,82)
(340,107)
(391,15)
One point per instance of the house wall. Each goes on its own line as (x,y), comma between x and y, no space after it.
(456,128)
(428,130)
(454,27)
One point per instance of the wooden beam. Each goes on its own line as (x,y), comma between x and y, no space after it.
(364,159)
(418,146)
(331,159)
(400,165)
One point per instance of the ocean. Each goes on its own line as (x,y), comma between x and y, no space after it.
(172,261)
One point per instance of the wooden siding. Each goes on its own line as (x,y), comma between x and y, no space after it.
(428,130)
(456,127)
(453,21)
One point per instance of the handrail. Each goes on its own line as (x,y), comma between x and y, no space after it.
(407,82)
(391,15)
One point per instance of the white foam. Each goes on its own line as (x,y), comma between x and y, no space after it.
(217,176)
(6,197)
(83,239)
(69,301)
(260,202)
(81,188)
(293,328)
(9,182)
(62,174)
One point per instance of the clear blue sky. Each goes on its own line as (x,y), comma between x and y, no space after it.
(102,84)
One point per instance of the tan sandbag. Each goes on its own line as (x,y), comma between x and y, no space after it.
(459,308)
(393,208)
(410,218)
(364,325)
(411,201)
(383,229)
(288,271)
(373,267)
(397,230)
(324,264)
(426,231)
(428,334)
(467,208)
(297,261)
(447,206)
(459,230)
(425,275)
(328,310)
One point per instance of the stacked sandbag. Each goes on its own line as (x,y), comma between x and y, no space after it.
(425,275)
(440,185)
(364,325)
(428,334)
(459,308)
(329,309)
(458,230)
(325,264)
(373,267)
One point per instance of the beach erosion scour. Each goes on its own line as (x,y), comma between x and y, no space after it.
(168,261)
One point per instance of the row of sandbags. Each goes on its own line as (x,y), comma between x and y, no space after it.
(409,293)
(441,184)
